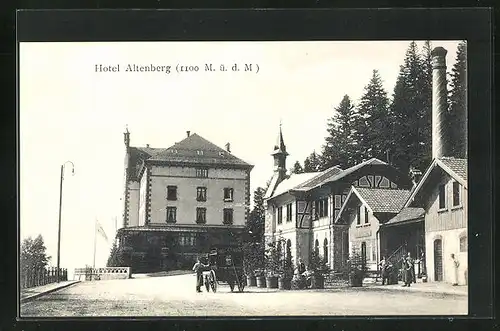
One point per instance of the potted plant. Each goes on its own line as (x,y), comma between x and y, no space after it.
(357,269)
(319,268)
(249,263)
(285,279)
(273,265)
(260,279)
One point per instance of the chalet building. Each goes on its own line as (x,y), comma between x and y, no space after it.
(442,193)
(302,208)
(181,200)
(369,220)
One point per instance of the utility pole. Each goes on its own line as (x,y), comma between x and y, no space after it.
(60,213)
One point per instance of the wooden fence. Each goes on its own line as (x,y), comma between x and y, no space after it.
(38,277)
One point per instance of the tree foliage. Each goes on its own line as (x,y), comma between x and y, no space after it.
(340,146)
(411,111)
(457,115)
(313,163)
(372,121)
(116,258)
(33,254)
(297,168)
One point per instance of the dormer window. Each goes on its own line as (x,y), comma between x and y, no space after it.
(221,153)
(174,151)
(199,152)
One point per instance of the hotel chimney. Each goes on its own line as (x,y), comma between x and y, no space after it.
(439,103)
(188,133)
(228,147)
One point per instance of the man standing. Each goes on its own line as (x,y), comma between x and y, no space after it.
(456,264)
(384,266)
(198,269)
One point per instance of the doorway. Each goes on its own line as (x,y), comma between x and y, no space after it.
(438,260)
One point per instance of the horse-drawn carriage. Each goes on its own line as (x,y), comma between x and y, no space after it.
(225,266)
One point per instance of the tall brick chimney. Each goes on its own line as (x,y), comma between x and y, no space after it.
(439,103)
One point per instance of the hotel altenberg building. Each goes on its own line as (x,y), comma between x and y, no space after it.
(180,201)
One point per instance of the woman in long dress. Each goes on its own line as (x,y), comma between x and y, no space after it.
(407,276)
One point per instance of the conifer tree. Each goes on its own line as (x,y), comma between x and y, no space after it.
(410,111)
(372,122)
(313,163)
(339,144)
(297,168)
(457,115)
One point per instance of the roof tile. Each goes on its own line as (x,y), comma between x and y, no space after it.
(458,166)
(384,200)
(407,214)
(196,149)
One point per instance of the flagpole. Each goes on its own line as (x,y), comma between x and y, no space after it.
(95,241)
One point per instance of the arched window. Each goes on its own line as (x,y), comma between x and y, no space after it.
(316,247)
(325,249)
(463,242)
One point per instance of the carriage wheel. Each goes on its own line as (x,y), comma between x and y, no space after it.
(213,281)
(207,285)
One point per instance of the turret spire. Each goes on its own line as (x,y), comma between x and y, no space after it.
(280,154)
(126,137)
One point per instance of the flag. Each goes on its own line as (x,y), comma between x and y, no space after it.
(100,230)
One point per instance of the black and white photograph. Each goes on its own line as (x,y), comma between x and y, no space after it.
(243,178)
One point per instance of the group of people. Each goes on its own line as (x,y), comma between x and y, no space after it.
(407,269)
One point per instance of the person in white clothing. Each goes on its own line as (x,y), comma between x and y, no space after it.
(455,265)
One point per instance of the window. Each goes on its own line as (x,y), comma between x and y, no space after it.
(358,215)
(201,215)
(202,172)
(201,194)
(321,208)
(228,216)
(456,194)
(187,239)
(171,214)
(463,243)
(280,215)
(199,152)
(367,218)
(289,212)
(228,194)
(171,192)
(442,196)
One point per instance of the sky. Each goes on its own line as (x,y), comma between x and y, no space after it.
(70,112)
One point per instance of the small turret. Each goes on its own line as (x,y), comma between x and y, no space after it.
(280,155)
(126,137)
